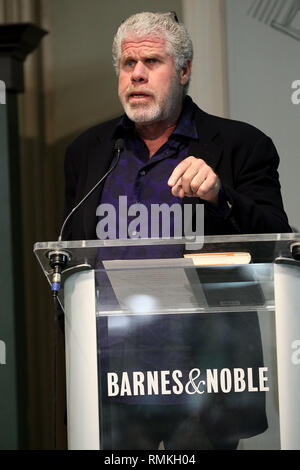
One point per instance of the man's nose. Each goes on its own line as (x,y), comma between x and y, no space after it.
(139,73)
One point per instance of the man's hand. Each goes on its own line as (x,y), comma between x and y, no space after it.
(194,178)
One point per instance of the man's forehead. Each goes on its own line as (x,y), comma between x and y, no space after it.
(145,43)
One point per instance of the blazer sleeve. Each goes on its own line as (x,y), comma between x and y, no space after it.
(255,195)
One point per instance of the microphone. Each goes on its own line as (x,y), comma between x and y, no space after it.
(118,147)
(59,259)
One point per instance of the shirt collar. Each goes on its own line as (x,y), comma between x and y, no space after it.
(186,126)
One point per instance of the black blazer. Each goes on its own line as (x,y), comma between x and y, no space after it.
(244,158)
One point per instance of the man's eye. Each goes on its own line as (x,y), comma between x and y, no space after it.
(128,63)
(152,61)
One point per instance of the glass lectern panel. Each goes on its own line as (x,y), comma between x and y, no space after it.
(187,355)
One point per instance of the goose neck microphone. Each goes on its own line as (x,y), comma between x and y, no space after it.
(58,259)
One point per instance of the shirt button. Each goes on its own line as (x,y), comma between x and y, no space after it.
(142,173)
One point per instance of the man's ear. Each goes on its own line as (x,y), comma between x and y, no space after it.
(186,72)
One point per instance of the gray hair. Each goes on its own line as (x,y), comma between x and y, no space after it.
(178,41)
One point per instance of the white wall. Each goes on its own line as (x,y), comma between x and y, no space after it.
(205,22)
(263,62)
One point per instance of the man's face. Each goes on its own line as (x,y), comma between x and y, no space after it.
(150,89)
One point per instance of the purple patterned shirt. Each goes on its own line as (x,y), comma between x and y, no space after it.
(137,179)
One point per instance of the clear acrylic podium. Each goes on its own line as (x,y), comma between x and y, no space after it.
(216,343)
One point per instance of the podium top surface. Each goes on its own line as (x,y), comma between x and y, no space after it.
(263,248)
(136,265)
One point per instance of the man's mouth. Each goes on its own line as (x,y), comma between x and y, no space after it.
(138,96)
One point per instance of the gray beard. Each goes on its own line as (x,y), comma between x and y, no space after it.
(156,112)
(139,115)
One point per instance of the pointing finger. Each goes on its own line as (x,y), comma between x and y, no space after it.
(178,171)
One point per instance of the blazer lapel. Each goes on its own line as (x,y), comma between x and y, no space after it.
(209,152)
(206,147)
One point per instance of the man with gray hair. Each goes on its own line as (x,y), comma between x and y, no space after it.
(228,166)
(176,153)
